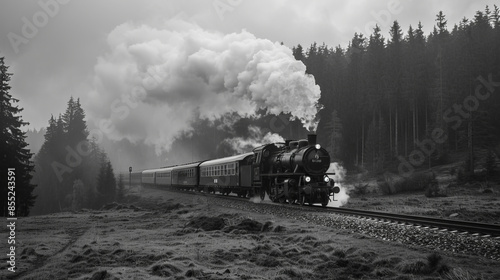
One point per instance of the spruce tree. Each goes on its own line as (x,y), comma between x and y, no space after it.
(120,188)
(15,156)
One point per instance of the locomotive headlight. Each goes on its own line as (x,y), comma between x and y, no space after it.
(327,179)
(317,146)
(308,179)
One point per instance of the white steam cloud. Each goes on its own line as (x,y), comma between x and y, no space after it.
(342,197)
(256,138)
(156,81)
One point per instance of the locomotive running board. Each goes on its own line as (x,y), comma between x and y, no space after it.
(283,174)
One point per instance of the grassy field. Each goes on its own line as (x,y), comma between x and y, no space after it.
(163,235)
(477,201)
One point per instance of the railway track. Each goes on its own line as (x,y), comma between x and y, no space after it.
(443,224)
(485,230)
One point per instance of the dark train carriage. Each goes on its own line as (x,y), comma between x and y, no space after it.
(185,176)
(164,177)
(226,175)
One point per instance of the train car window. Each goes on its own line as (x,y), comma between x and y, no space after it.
(237,171)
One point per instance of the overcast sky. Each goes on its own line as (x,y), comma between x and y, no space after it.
(53,47)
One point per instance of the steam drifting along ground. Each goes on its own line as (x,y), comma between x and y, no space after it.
(337,173)
(157,80)
(182,236)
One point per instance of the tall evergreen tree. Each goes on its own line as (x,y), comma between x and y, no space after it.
(106,182)
(68,164)
(15,156)
(393,83)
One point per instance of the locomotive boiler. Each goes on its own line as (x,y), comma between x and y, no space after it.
(294,171)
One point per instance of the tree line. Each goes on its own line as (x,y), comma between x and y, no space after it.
(72,171)
(69,172)
(410,97)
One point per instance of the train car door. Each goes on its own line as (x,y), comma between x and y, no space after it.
(246,175)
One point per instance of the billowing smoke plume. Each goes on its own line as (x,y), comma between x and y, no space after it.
(257,138)
(156,81)
(342,197)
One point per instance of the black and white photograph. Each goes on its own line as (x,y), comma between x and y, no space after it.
(238,139)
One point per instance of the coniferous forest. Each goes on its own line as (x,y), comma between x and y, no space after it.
(72,171)
(411,99)
(69,172)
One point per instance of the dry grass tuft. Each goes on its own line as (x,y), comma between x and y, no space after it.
(460,274)
(246,225)
(99,275)
(207,223)
(164,269)
(416,267)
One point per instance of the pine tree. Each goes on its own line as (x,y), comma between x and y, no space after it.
(106,182)
(334,129)
(15,155)
(298,52)
(75,126)
(394,80)
(120,188)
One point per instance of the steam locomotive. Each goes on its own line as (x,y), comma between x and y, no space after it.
(293,172)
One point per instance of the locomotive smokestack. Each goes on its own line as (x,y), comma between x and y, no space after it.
(311,139)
